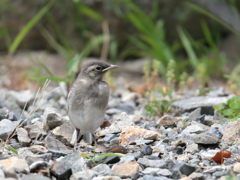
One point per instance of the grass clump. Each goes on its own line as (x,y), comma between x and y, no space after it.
(231,109)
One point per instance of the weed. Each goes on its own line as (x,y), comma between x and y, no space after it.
(231,109)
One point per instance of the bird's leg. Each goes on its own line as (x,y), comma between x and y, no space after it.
(94,140)
(77,137)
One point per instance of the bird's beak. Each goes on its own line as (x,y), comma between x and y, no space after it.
(111,67)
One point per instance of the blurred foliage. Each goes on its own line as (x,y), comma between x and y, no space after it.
(201,59)
(231,109)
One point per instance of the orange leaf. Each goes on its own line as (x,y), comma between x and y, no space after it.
(218,158)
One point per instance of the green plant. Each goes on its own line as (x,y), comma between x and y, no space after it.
(4,145)
(94,159)
(231,109)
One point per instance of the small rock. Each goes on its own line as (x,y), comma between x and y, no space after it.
(130,96)
(152,163)
(198,176)
(117,149)
(194,114)
(107,178)
(12,105)
(195,161)
(141,142)
(150,170)
(36,131)
(51,118)
(205,138)
(127,168)
(231,133)
(86,174)
(127,107)
(132,134)
(12,164)
(34,177)
(236,168)
(2,102)
(38,149)
(64,133)
(176,174)
(109,137)
(214,132)
(7,127)
(116,127)
(55,146)
(203,102)
(127,159)
(3,114)
(146,150)
(185,168)
(192,148)
(208,154)
(113,111)
(22,136)
(114,141)
(164,172)
(103,169)
(192,129)
(213,170)
(23,97)
(36,164)
(166,120)
(62,169)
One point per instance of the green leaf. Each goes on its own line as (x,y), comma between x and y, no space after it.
(12,149)
(219,107)
(227,112)
(106,155)
(72,66)
(86,156)
(188,47)
(28,27)
(235,105)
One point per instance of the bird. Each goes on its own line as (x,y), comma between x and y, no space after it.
(87,100)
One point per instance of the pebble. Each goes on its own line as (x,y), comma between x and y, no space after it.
(126,168)
(51,118)
(152,163)
(166,120)
(4,114)
(22,136)
(146,150)
(7,127)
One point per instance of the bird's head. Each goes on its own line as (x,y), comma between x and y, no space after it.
(96,69)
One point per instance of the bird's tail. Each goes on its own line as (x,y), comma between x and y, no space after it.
(88,138)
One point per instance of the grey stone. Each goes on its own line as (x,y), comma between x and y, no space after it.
(38,149)
(192,148)
(109,137)
(208,154)
(34,177)
(146,150)
(198,176)
(219,174)
(103,169)
(23,97)
(205,138)
(116,127)
(164,172)
(56,147)
(185,168)
(78,165)
(4,114)
(194,114)
(64,133)
(166,120)
(213,170)
(7,127)
(36,131)
(114,141)
(51,118)
(140,142)
(203,102)
(83,175)
(2,102)
(176,174)
(150,170)
(113,111)
(36,164)
(192,129)
(152,163)
(107,178)
(214,132)
(195,161)
(12,105)
(149,177)
(22,136)
(127,107)
(62,169)
(127,159)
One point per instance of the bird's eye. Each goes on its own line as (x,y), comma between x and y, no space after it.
(98,68)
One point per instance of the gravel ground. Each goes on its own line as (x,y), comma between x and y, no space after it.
(180,145)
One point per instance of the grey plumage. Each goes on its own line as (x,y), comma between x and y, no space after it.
(88,98)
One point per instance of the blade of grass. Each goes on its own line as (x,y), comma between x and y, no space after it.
(106,155)
(28,27)
(188,47)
